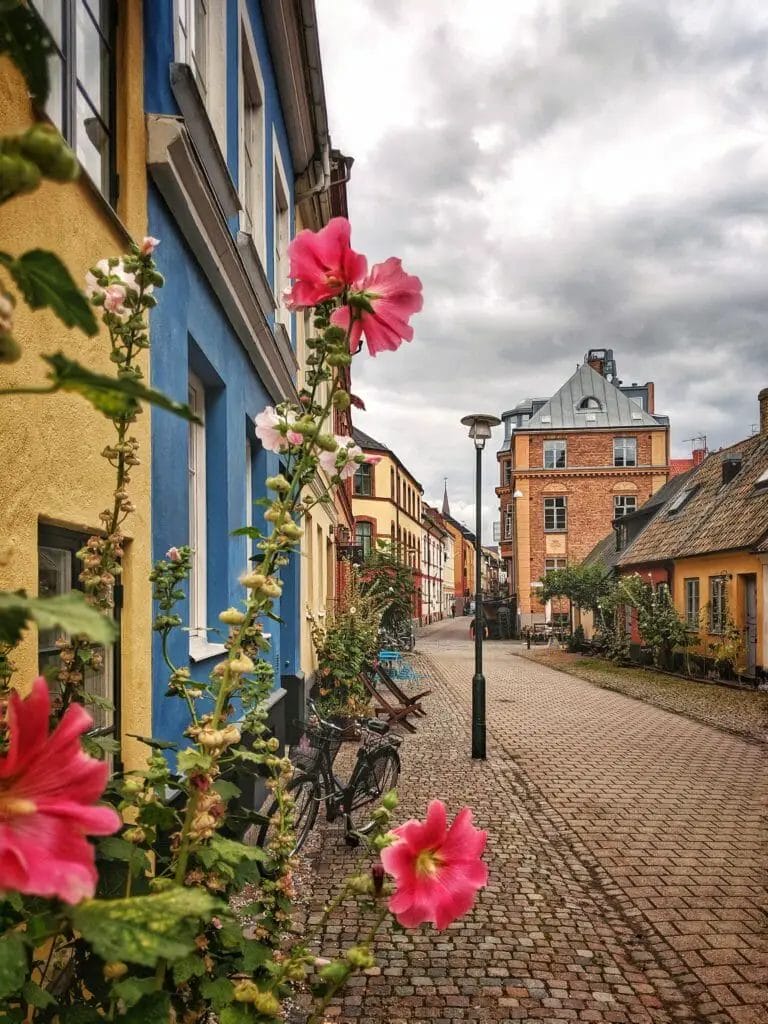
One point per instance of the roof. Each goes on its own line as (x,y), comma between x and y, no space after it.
(677,466)
(605,553)
(616,409)
(370,444)
(717,516)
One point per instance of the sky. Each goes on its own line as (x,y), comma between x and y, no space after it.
(562,175)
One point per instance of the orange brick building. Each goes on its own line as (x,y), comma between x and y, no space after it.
(569,466)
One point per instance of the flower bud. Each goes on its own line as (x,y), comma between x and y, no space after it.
(390,800)
(326,443)
(377,874)
(232,617)
(10,349)
(114,969)
(241,664)
(246,991)
(336,972)
(341,400)
(278,483)
(291,531)
(253,580)
(360,956)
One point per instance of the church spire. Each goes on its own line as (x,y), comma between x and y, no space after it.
(446,506)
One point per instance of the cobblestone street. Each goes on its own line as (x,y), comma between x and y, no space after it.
(627,854)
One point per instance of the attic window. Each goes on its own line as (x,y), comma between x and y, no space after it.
(546,419)
(589,403)
(762,480)
(681,499)
(590,418)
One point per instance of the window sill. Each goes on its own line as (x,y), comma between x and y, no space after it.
(564,530)
(203,650)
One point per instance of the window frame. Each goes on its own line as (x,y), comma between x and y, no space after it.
(185,41)
(72,87)
(624,443)
(65,539)
(555,567)
(692,599)
(508,525)
(717,606)
(556,447)
(198,515)
(555,509)
(363,471)
(619,501)
(360,542)
(281,232)
(251,82)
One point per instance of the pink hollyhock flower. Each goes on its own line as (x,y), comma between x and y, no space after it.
(114,297)
(330,460)
(437,870)
(392,296)
(295,437)
(266,428)
(373,460)
(148,245)
(322,264)
(48,792)
(173,555)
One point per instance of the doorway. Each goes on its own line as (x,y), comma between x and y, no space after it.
(750,622)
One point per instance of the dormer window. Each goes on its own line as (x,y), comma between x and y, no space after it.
(590,403)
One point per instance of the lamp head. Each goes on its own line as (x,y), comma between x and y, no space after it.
(518,494)
(480,427)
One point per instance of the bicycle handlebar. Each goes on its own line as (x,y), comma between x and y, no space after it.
(372,724)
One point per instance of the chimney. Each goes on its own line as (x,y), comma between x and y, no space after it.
(651,396)
(699,454)
(763,400)
(731,465)
(596,359)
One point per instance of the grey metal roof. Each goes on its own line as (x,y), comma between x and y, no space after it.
(616,409)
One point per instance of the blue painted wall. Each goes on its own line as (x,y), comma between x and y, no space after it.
(190,332)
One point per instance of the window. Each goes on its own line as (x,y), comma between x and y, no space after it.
(554,454)
(252,147)
(717,610)
(623,504)
(281,231)
(198,579)
(625,451)
(506,472)
(555,514)
(590,403)
(81,100)
(550,564)
(692,602)
(362,482)
(192,39)
(509,522)
(58,571)
(364,537)
(681,499)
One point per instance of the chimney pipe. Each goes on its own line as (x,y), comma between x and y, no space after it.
(763,400)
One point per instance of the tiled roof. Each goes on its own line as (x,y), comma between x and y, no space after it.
(368,442)
(616,409)
(717,516)
(604,552)
(677,466)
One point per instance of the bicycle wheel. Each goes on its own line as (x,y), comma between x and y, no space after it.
(305,792)
(377,777)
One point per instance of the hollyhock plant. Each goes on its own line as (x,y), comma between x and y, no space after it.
(437,870)
(48,792)
(379,308)
(350,455)
(267,430)
(322,264)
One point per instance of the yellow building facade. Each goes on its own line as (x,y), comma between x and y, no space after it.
(386,503)
(53,479)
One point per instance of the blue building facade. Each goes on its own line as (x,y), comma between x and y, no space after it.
(232,133)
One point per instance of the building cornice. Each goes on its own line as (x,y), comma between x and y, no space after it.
(176,169)
(530,473)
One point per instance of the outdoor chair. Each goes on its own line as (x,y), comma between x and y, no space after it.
(400,695)
(397,714)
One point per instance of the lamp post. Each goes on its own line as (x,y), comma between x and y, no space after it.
(480,428)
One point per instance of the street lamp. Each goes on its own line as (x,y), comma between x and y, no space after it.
(480,428)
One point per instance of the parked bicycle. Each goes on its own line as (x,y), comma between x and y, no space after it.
(398,637)
(376,771)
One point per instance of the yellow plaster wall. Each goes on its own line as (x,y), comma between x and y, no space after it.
(659,440)
(734,563)
(51,468)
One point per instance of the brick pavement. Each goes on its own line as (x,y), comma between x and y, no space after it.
(626,849)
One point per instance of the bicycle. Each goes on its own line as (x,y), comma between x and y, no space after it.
(376,771)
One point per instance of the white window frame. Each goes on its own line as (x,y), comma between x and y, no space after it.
(623,445)
(555,509)
(692,601)
(253,220)
(718,597)
(555,447)
(188,48)
(620,505)
(509,522)
(281,231)
(556,563)
(198,515)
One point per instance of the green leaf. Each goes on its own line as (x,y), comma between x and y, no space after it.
(191,966)
(115,848)
(26,40)
(114,396)
(37,996)
(144,929)
(43,280)
(67,612)
(153,743)
(236,1014)
(152,1009)
(254,955)
(80,1015)
(248,531)
(219,991)
(13,964)
(131,990)
(227,790)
